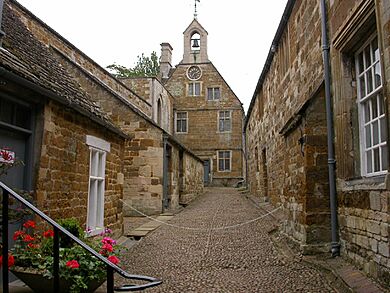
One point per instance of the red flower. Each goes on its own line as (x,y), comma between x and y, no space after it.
(29,224)
(17,234)
(108,240)
(33,246)
(113,259)
(28,238)
(107,247)
(6,155)
(73,264)
(11,260)
(48,233)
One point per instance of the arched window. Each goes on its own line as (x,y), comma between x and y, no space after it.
(159,112)
(195,42)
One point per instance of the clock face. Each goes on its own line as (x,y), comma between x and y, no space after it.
(194,72)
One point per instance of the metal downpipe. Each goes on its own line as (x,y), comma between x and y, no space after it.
(335,245)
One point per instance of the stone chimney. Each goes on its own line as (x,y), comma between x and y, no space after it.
(165,60)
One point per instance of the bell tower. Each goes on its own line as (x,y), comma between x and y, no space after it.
(195,44)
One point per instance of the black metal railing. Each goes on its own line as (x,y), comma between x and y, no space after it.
(111,268)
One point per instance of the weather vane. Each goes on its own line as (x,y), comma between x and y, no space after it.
(196,11)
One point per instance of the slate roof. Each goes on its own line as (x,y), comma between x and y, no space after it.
(23,55)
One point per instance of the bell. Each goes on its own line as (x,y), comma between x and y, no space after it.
(195,43)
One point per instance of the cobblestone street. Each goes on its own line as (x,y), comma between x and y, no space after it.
(241,259)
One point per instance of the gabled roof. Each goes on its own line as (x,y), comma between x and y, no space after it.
(24,56)
(196,22)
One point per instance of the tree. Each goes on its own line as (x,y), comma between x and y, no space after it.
(145,67)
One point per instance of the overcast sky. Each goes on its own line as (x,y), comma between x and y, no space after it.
(240,32)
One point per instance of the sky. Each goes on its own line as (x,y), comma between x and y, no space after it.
(117,31)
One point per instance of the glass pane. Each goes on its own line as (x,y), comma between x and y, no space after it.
(361,63)
(6,111)
(375,132)
(221,165)
(184,126)
(369,161)
(369,81)
(22,117)
(367,112)
(367,57)
(227,164)
(376,160)
(374,107)
(362,86)
(197,89)
(217,94)
(368,136)
(191,89)
(375,49)
(209,94)
(384,158)
(383,130)
(377,75)
(381,104)
(227,125)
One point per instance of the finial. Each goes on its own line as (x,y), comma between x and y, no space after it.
(196,11)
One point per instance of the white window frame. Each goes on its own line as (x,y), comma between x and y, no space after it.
(371,104)
(192,86)
(224,119)
(213,90)
(183,119)
(96,186)
(230,160)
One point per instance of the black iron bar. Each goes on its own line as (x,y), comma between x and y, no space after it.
(113,268)
(4,224)
(56,260)
(110,280)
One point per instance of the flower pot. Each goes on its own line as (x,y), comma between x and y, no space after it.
(39,283)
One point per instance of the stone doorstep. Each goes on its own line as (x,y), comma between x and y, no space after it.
(164,218)
(20,287)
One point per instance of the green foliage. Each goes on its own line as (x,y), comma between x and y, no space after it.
(33,251)
(145,67)
(73,226)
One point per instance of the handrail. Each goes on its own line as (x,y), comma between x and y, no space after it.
(152,281)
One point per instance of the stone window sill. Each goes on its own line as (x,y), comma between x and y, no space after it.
(364,183)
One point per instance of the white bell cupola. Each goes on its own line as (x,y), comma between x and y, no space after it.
(195,44)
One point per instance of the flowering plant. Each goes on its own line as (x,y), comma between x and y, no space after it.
(33,252)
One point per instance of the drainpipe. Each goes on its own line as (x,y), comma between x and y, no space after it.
(165,172)
(335,245)
(1,20)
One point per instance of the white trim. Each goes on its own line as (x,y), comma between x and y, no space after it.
(230,161)
(369,98)
(230,119)
(97,143)
(187,122)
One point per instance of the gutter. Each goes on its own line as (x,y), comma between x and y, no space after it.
(28,84)
(2,33)
(335,245)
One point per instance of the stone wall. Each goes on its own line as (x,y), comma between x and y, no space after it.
(192,179)
(63,174)
(286,133)
(281,133)
(152,90)
(363,201)
(203,137)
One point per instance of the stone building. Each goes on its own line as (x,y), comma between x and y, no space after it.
(208,116)
(286,130)
(80,118)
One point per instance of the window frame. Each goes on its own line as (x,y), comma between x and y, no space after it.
(184,119)
(224,121)
(192,85)
(213,93)
(98,149)
(219,158)
(372,98)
